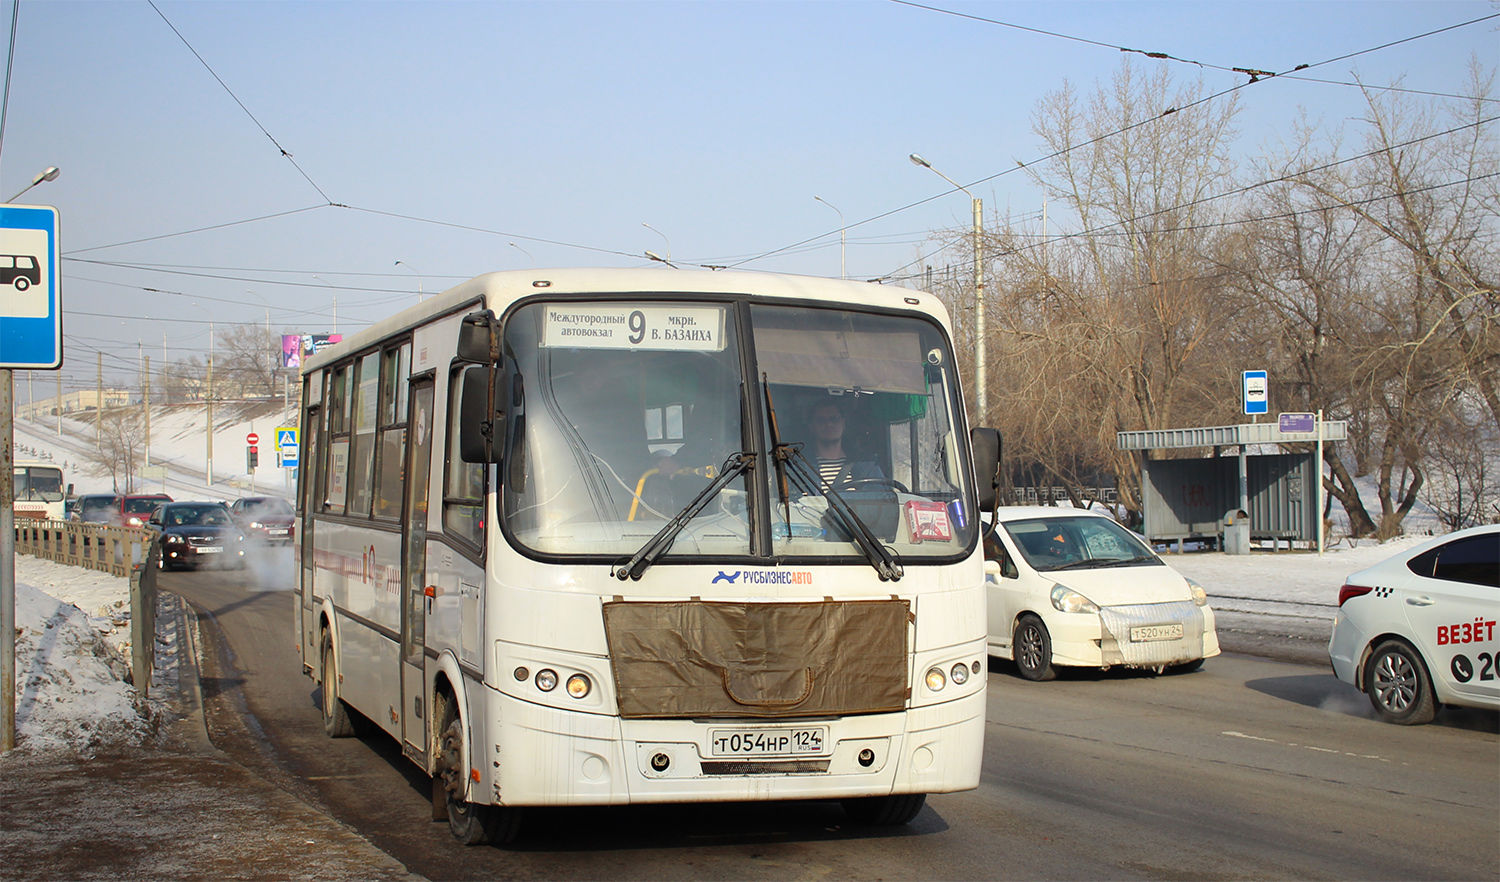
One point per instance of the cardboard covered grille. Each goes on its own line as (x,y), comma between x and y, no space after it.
(707,659)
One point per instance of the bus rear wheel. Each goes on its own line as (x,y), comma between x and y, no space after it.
(470,823)
(885,811)
(336,721)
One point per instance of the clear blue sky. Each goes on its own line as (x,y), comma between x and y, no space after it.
(716,123)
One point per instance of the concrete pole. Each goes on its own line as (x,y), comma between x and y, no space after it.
(146,405)
(7,565)
(1321,537)
(981,396)
(99,402)
(209,400)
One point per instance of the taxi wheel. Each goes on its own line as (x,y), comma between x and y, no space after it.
(1032,649)
(1398,685)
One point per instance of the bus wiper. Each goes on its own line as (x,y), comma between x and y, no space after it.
(806,478)
(736,465)
(781,488)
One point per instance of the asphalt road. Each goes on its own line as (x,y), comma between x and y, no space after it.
(1252,767)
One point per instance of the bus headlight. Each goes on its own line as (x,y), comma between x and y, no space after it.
(935,679)
(546,679)
(960,673)
(579,686)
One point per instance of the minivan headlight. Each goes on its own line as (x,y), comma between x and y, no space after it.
(1067,600)
(1200,597)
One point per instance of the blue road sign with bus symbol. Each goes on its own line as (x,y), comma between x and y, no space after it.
(30,290)
(1256,398)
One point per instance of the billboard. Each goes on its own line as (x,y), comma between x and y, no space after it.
(296,347)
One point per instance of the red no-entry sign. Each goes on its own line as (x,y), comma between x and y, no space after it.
(252,438)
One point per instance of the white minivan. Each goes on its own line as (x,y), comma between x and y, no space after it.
(1069,586)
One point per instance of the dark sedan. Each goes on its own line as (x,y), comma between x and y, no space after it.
(198,533)
(265,518)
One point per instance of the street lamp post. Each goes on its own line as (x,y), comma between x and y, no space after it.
(50,174)
(843,273)
(664,238)
(419,277)
(980,397)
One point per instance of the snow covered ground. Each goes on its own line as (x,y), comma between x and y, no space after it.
(72,652)
(72,657)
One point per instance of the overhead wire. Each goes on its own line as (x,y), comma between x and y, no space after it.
(1095,140)
(206,66)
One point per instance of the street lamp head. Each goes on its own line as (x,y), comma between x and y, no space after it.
(49,175)
(918,160)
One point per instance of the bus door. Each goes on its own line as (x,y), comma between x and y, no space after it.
(414,600)
(312,452)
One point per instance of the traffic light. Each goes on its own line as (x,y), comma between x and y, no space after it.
(252,457)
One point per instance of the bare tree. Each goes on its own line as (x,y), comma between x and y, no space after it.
(1371,274)
(248,362)
(1113,327)
(121,449)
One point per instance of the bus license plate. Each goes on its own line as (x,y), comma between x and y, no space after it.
(768,742)
(1148,633)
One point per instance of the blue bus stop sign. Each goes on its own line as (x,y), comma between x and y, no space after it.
(1255,393)
(30,288)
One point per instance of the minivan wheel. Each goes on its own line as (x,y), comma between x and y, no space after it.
(1032,649)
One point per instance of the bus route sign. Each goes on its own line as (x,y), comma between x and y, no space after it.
(30,288)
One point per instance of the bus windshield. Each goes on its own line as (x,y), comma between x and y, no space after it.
(38,483)
(631,409)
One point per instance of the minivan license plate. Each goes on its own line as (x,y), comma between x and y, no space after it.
(768,742)
(1148,633)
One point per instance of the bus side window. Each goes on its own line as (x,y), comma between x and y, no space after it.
(336,471)
(464,482)
(391,451)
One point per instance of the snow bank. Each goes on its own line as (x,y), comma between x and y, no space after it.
(71,664)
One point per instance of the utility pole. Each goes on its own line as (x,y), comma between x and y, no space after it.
(99,402)
(59,402)
(209,473)
(146,405)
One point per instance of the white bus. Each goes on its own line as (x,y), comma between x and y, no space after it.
(586,537)
(39,491)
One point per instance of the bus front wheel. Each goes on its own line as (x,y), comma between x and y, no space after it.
(470,823)
(885,811)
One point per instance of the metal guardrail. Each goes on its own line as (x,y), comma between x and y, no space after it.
(114,550)
(120,551)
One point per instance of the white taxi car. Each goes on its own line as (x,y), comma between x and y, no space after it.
(1068,586)
(1418,631)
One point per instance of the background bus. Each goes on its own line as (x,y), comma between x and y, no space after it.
(583,537)
(39,491)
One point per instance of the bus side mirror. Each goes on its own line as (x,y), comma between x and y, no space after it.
(478,338)
(482,414)
(984,445)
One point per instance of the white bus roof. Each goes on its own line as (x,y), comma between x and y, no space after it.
(517,284)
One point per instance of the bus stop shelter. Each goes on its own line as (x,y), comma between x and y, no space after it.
(1233,500)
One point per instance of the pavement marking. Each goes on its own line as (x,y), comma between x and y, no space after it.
(1311,747)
